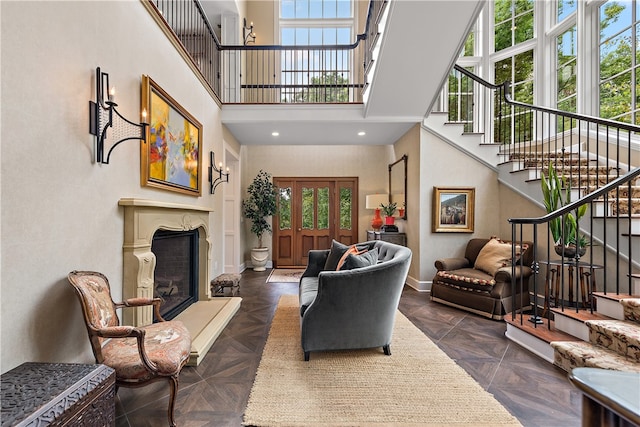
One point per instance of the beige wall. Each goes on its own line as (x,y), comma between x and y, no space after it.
(409,144)
(442,165)
(59,210)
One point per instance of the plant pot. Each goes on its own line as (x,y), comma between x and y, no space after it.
(389,220)
(401,212)
(259,258)
(569,250)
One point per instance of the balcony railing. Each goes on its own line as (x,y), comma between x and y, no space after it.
(272,74)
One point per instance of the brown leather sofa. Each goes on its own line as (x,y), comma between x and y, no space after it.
(481,283)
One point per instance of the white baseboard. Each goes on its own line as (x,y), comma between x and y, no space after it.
(420,286)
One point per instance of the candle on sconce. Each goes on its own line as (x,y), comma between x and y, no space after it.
(112,94)
(144,115)
(220,165)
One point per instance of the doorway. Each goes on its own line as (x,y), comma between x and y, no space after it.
(311,213)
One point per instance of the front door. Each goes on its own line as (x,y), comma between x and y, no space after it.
(312,212)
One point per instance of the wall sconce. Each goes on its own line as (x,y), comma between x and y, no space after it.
(222,176)
(102,117)
(247,33)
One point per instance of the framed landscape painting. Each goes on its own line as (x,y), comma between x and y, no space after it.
(170,159)
(453,209)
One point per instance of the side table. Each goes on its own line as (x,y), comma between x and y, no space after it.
(391,237)
(58,394)
(586,277)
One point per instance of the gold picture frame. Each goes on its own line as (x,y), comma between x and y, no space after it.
(453,209)
(171,157)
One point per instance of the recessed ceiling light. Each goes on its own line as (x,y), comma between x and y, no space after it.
(362,133)
(275,133)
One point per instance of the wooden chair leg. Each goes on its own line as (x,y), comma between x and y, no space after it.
(173,392)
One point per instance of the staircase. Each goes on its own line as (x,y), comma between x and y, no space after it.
(599,325)
(611,344)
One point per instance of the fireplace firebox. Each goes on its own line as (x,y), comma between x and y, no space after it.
(176,272)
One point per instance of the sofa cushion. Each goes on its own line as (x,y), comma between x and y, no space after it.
(335,253)
(360,259)
(467,278)
(352,250)
(308,292)
(495,255)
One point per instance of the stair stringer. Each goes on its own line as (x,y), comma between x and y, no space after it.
(469,144)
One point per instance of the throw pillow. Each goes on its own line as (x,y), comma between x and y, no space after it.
(362,260)
(335,253)
(353,250)
(495,255)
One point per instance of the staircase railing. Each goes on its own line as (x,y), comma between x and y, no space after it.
(271,74)
(596,159)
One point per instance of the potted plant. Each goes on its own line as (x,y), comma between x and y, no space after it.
(389,209)
(556,192)
(260,204)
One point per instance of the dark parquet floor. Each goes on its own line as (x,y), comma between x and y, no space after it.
(216,392)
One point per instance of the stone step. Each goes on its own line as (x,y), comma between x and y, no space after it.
(575,354)
(620,336)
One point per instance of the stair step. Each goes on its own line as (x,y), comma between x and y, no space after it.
(631,309)
(541,331)
(573,322)
(576,354)
(620,336)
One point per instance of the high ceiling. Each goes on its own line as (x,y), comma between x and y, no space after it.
(419,46)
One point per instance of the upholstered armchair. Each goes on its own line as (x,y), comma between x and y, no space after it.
(480,282)
(139,355)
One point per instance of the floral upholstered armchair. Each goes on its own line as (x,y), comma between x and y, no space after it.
(139,355)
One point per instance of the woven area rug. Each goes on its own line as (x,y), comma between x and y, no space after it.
(285,275)
(418,385)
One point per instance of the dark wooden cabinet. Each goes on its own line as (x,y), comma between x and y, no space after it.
(58,394)
(397,238)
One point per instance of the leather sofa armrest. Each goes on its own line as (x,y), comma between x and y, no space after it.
(502,288)
(317,259)
(448,264)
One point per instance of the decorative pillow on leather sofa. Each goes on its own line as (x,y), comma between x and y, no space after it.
(495,255)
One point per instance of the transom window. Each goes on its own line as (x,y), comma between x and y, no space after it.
(316,75)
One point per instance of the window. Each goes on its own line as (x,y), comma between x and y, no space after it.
(566,56)
(316,22)
(565,8)
(513,22)
(619,61)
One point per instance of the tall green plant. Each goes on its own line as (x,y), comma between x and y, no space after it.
(260,204)
(556,192)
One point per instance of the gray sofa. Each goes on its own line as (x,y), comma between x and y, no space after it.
(351,309)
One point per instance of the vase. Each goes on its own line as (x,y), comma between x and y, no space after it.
(401,212)
(259,258)
(376,222)
(389,220)
(569,251)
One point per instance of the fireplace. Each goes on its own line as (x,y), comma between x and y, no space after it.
(176,273)
(207,317)
(143,219)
